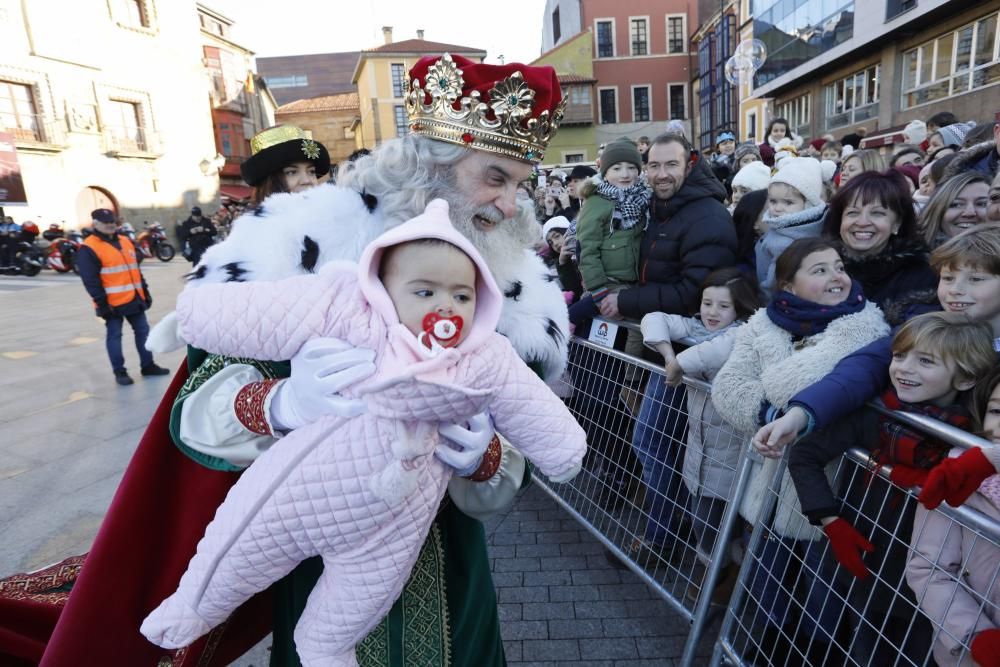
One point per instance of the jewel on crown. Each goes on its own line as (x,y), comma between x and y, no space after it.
(503,124)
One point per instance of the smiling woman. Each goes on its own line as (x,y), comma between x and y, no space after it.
(872,218)
(958,204)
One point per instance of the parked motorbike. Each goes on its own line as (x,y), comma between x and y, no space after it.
(60,251)
(28,258)
(152,242)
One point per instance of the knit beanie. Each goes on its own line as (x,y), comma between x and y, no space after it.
(742,150)
(915,132)
(955,133)
(805,175)
(559,222)
(754,176)
(817,144)
(621,150)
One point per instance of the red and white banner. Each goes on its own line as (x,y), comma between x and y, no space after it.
(11,184)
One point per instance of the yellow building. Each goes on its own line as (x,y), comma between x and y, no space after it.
(381,78)
(329,118)
(108,104)
(573,60)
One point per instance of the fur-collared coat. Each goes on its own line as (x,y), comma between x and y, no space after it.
(982,157)
(767,365)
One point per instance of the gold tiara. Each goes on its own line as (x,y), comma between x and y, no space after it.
(277,135)
(511,132)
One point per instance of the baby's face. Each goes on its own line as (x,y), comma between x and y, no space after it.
(423,279)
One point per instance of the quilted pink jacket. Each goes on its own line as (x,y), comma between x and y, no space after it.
(360,492)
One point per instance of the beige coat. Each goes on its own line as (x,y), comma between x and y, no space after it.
(951,592)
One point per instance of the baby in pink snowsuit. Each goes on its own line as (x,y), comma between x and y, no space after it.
(361,492)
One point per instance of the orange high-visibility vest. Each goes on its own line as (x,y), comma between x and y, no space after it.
(120,275)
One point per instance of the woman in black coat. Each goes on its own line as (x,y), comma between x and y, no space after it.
(874,221)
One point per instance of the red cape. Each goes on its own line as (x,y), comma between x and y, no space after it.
(158,515)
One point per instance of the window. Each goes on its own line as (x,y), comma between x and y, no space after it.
(579,107)
(639,34)
(570,158)
(17,111)
(894,8)
(640,104)
(398,79)
(133,13)
(289,81)
(609,105)
(953,64)
(798,113)
(402,125)
(123,123)
(675,34)
(605,39)
(796,31)
(751,129)
(853,99)
(556,30)
(676,102)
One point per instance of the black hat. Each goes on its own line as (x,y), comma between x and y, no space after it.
(102,215)
(195,210)
(278,147)
(582,171)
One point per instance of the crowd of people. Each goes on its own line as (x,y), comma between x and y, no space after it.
(808,280)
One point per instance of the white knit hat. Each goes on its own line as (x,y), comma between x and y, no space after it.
(805,175)
(558,222)
(915,132)
(754,176)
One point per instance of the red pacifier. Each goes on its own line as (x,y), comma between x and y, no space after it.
(441,331)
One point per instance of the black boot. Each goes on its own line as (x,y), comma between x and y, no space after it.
(122,378)
(153,369)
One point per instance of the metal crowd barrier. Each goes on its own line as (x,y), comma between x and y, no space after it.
(782,601)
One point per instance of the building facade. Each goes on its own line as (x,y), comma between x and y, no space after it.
(641,60)
(330,119)
(381,78)
(118,119)
(241,103)
(291,78)
(576,140)
(877,64)
(716,99)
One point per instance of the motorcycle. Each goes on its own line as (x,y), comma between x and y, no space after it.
(152,242)
(60,251)
(28,258)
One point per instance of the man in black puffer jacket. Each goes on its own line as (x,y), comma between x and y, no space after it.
(690,234)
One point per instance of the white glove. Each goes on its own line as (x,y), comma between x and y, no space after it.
(566,476)
(465,447)
(322,369)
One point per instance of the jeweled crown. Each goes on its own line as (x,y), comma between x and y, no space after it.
(504,124)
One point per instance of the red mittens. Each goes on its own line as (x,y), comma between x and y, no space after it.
(986,648)
(847,544)
(907,476)
(956,479)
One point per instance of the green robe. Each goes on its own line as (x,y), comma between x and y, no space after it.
(447,613)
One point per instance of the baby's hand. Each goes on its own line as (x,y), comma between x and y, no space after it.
(675,373)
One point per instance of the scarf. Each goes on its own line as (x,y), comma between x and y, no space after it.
(807,318)
(630,202)
(899,444)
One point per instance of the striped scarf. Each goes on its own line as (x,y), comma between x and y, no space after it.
(630,203)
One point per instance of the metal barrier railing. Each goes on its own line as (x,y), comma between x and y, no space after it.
(662,487)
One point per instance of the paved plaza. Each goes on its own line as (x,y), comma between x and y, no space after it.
(67,432)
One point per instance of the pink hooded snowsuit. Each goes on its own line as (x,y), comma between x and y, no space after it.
(360,492)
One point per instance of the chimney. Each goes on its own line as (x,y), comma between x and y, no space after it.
(387,33)
(420,34)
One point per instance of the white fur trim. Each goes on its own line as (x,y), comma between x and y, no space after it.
(165,336)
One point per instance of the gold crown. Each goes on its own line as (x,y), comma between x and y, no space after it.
(512,132)
(273,136)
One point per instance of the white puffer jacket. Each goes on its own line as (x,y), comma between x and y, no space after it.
(767,365)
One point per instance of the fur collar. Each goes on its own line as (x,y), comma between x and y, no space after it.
(968,158)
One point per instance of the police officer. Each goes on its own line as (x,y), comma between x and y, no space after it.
(197,235)
(109,267)
(9,235)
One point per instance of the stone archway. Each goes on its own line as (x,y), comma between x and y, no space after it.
(90,198)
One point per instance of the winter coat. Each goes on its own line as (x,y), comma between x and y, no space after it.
(713,446)
(982,157)
(768,366)
(608,256)
(781,231)
(688,236)
(362,491)
(895,274)
(951,593)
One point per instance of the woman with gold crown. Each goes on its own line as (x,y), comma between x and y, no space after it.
(216,416)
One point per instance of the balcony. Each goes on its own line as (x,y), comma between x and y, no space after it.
(38,133)
(131,142)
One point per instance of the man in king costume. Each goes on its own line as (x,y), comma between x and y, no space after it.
(475,132)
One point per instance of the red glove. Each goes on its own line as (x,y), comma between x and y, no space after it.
(956,479)
(986,648)
(907,476)
(847,543)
